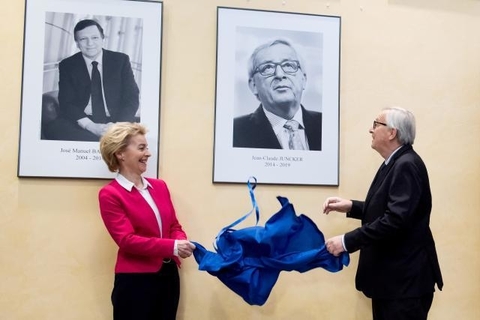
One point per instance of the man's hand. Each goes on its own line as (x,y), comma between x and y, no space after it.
(334,245)
(336,204)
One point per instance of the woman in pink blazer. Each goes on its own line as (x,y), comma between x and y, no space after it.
(139,215)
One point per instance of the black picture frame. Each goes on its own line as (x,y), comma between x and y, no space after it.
(316,38)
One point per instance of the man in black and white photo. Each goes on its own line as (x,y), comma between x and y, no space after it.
(277,77)
(96,88)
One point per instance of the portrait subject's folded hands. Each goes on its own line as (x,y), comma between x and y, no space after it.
(97,128)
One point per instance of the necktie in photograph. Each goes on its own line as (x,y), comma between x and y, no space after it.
(98,108)
(294,139)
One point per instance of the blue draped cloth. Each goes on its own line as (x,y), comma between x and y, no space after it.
(249,260)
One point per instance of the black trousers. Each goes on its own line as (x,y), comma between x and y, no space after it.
(402,309)
(147,296)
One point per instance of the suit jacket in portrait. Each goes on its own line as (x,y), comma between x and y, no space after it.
(119,86)
(398,258)
(255,131)
(132,224)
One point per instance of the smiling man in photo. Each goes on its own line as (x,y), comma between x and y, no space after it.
(96,88)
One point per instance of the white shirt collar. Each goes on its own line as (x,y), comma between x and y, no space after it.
(89,61)
(128,185)
(278,122)
(390,157)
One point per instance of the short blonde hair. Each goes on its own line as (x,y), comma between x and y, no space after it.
(116,139)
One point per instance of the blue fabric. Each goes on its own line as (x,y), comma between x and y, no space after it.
(249,260)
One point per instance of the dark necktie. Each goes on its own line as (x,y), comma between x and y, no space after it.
(294,140)
(98,108)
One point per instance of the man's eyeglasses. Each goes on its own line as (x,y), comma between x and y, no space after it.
(378,123)
(269,68)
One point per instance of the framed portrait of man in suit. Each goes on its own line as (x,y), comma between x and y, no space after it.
(85,67)
(277,97)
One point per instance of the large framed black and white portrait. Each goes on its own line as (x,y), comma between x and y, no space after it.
(86,65)
(277,97)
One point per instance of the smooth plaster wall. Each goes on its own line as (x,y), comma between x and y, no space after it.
(57,260)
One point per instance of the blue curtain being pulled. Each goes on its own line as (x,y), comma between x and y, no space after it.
(249,260)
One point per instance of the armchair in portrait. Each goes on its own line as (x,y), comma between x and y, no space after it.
(50,109)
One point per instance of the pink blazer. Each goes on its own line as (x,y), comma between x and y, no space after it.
(133,226)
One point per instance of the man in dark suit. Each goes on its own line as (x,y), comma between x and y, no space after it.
(277,77)
(398,266)
(96,88)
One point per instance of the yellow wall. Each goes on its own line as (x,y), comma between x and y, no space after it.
(56,259)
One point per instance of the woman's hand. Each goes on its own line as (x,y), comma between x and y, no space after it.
(185,248)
